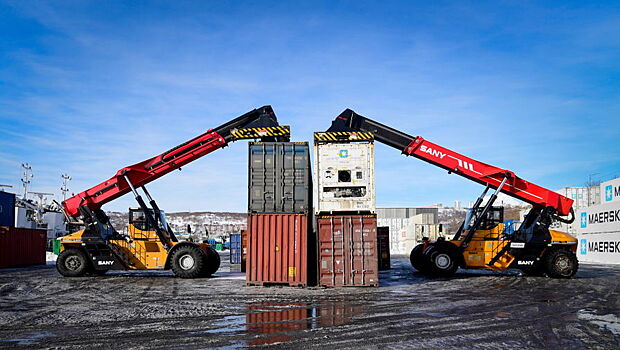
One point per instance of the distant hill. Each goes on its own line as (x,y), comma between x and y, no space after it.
(215,223)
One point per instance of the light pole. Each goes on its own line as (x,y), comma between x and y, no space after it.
(590,184)
(65,188)
(26,176)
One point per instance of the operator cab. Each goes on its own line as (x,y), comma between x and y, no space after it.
(493,217)
(142,229)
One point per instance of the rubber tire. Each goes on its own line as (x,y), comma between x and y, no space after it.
(214,262)
(551,264)
(441,250)
(417,258)
(81,270)
(200,262)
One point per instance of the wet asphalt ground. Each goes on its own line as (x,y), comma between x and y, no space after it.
(151,310)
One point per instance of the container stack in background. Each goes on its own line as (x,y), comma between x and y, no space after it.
(281,242)
(235,252)
(18,246)
(346,220)
(598,229)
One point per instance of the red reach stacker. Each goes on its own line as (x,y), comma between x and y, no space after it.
(482,242)
(151,243)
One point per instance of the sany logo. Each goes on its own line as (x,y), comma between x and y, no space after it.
(109,262)
(608,193)
(343,153)
(584,220)
(432,152)
(584,246)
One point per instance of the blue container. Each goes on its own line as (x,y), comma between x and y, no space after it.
(509,227)
(235,248)
(7,209)
(211,241)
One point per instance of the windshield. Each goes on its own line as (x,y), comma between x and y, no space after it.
(163,224)
(468,217)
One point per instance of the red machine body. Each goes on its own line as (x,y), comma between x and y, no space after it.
(488,174)
(258,123)
(455,162)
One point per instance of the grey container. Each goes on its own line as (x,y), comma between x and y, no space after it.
(279,177)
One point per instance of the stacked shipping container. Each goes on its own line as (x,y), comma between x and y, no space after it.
(345,208)
(348,250)
(281,243)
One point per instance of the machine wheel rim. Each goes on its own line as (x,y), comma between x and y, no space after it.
(443,261)
(563,265)
(186,262)
(73,263)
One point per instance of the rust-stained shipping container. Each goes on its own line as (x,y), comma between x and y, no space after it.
(348,254)
(22,247)
(383,244)
(281,250)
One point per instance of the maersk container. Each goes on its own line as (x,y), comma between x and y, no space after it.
(600,218)
(279,177)
(7,209)
(610,191)
(22,247)
(281,250)
(348,252)
(235,248)
(345,177)
(600,248)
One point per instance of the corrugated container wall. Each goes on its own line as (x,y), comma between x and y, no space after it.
(7,209)
(279,177)
(610,191)
(348,254)
(281,250)
(235,248)
(345,177)
(22,247)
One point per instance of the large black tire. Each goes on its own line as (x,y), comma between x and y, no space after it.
(443,260)
(189,262)
(560,263)
(214,261)
(417,258)
(73,262)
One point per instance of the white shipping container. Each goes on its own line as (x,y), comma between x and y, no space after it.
(610,191)
(603,248)
(600,218)
(345,177)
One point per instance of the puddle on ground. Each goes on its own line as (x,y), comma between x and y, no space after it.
(30,339)
(609,322)
(276,322)
(272,323)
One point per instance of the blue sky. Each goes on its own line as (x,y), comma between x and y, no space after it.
(87,87)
